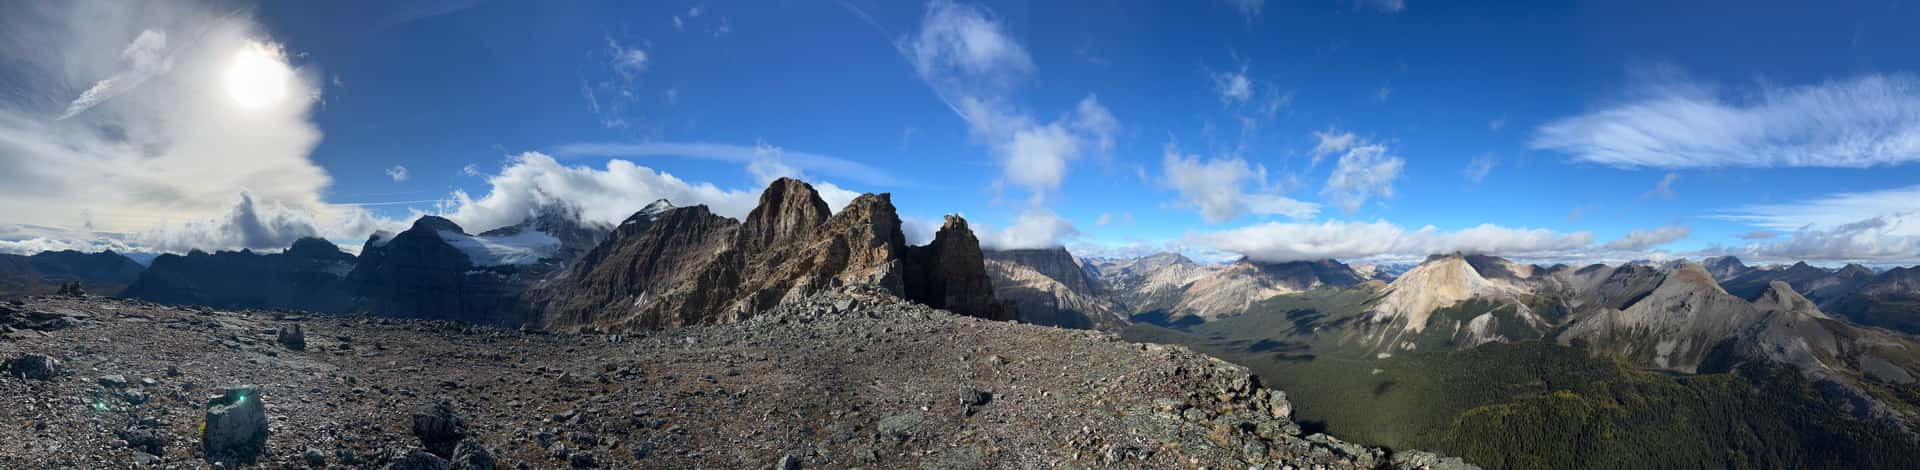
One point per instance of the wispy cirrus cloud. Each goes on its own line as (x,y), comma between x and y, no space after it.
(1881,225)
(740,154)
(1674,122)
(1828,211)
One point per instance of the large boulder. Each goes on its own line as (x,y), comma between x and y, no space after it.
(470,455)
(236,426)
(293,338)
(438,427)
(416,459)
(34,366)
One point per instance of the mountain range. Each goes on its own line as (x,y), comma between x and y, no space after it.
(1845,332)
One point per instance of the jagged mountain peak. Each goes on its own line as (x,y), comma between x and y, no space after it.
(788,210)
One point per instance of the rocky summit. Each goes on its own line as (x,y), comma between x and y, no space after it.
(837,378)
(686,266)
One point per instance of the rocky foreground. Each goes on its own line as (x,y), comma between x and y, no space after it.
(837,380)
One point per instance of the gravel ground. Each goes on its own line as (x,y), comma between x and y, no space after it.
(839,380)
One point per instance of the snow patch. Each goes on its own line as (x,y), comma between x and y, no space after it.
(526,247)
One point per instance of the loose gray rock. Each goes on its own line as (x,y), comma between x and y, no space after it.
(314,458)
(788,462)
(416,459)
(236,426)
(293,338)
(438,428)
(113,381)
(145,440)
(34,366)
(470,455)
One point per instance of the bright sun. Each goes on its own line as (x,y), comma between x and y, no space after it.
(258,77)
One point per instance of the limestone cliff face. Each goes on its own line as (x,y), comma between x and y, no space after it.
(687,266)
(951,273)
(1048,286)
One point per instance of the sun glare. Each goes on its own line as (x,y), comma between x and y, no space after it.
(258,77)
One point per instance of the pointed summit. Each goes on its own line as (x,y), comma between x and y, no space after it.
(788,210)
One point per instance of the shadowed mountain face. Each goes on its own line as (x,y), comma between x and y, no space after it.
(686,266)
(308,276)
(43,273)
(1050,287)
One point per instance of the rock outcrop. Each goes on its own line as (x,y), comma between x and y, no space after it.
(950,273)
(686,266)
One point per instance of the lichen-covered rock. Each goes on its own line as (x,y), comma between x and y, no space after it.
(235,430)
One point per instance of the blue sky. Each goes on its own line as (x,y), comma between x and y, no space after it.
(1278,130)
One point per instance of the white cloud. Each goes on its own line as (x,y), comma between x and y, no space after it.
(1364,170)
(969,59)
(678,24)
(1233,87)
(1759,235)
(1889,238)
(741,154)
(1330,142)
(398,173)
(1829,211)
(1218,188)
(1478,168)
(919,231)
(1383,93)
(964,42)
(470,170)
(1497,124)
(157,134)
(532,182)
(1643,239)
(1247,8)
(1037,228)
(249,224)
(1105,218)
(1662,189)
(1860,122)
(1278,242)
